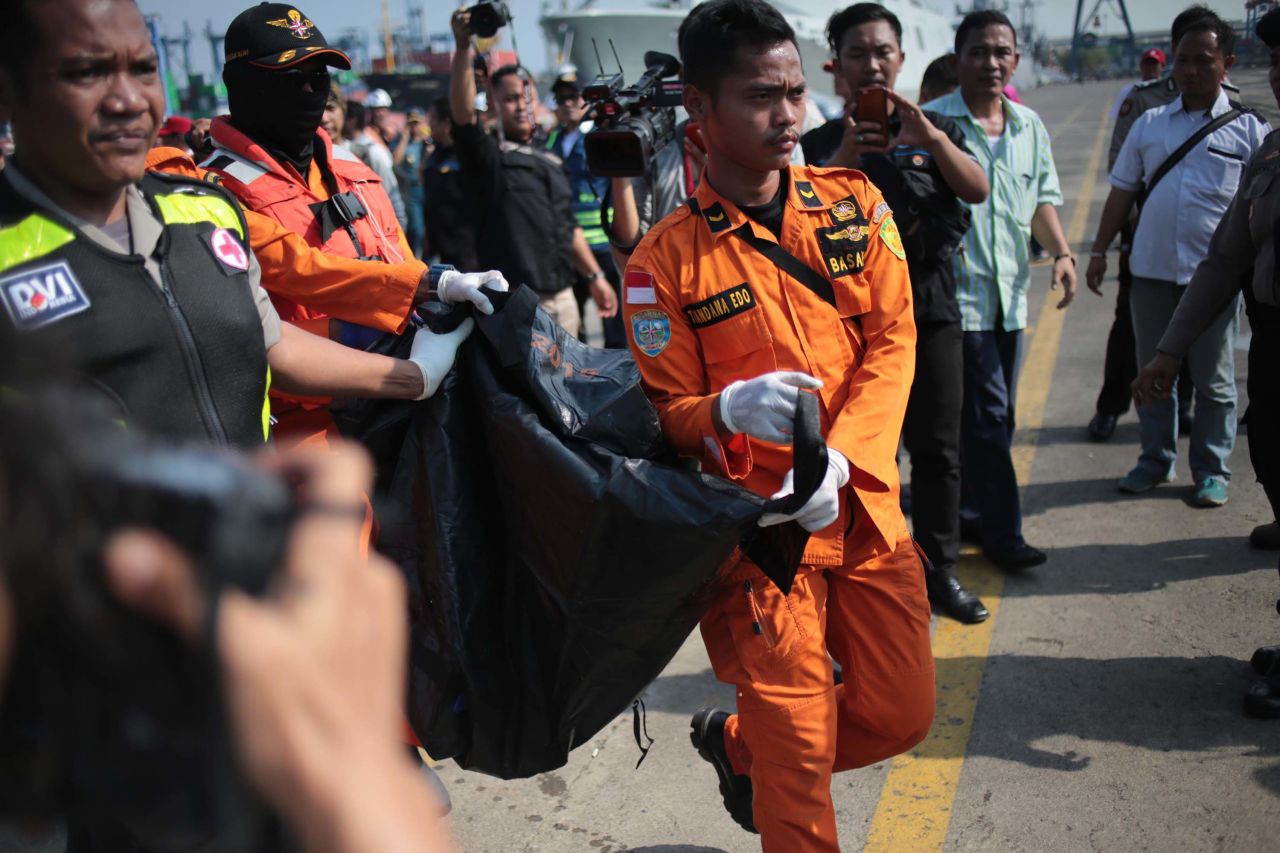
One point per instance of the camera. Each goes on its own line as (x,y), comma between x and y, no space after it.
(487,17)
(108,717)
(632,123)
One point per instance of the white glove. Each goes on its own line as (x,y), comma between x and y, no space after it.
(765,407)
(434,354)
(455,287)
(824,507)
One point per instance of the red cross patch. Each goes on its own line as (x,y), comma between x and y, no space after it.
(227,249)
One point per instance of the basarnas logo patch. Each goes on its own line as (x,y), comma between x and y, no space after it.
(38,297)
(651,330)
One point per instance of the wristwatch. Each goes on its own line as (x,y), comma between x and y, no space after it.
(595,275)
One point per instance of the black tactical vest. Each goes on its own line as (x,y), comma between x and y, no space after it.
(185,362)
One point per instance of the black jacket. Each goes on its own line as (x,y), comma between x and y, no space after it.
(523,209)
(932,220)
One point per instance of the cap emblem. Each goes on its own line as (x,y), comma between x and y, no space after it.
(300,27)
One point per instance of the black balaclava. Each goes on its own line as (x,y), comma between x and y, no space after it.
(275,111)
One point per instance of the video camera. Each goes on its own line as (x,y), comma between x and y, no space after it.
(487,17)
(108,718)
(632,123)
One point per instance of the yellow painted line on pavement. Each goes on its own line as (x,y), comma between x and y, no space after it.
(919,793)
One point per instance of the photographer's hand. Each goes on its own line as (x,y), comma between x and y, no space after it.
(314,673)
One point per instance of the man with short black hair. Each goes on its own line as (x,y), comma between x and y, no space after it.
(1120,364)
(524,208)
(993,274)
(1177,218)
(773,281)
(922,165)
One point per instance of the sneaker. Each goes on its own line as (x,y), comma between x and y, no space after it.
(706,732)
(1138,481)
(1209,492)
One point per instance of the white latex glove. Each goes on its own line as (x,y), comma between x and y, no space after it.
(455,287)
(765,407)
(434,354)
(824,507)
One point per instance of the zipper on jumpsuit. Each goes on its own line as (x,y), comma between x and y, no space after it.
(191,357)
(759,625)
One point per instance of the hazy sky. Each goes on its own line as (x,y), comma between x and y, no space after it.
(1052,16)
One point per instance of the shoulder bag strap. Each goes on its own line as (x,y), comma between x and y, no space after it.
(1176,157)
(815,281)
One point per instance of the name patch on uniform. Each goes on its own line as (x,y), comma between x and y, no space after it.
(722,306)
(844,248)
(226,247)
(808,197)
(38,297)
(638,288)
(651,330)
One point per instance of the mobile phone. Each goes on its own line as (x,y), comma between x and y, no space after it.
(872,106)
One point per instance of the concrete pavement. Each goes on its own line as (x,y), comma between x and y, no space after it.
(1098,710)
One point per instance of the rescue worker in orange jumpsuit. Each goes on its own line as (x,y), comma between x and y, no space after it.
(726,339)
(273,156)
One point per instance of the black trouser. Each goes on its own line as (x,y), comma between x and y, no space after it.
(931,433)
(614,334)
(1263,416)
(1121,365)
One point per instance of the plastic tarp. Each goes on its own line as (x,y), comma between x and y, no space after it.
(557,553)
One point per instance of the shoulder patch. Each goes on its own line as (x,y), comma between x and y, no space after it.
(808,196)
(651,330)
(37,297)
(882,210)
(638,288)
(717,219)
(722,306)
(1126,107)
(891,238)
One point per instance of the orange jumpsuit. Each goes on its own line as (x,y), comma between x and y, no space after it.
(705,309)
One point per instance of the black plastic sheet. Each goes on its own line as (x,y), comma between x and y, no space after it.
(557,553)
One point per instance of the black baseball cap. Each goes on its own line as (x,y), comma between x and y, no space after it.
(277,35)
(1269,28)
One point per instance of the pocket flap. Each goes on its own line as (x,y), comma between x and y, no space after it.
(734,337)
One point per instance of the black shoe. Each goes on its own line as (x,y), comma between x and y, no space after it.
(1263,698)
(946,594)
(1018,559)
(1266,536)
(1186,421)
(970,530)
(1102,427)
(706,732)
(1266,660)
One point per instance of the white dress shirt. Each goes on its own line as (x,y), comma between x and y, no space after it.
(1185,207)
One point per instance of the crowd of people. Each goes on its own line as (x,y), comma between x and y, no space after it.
(218,281)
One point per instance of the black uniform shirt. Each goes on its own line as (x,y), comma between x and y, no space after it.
(523,209)
(451,230)
(932,220)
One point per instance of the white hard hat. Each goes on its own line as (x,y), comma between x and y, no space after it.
(377,99)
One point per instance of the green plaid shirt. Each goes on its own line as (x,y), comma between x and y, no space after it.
(993,271)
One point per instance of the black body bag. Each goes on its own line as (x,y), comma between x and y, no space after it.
(557,553)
